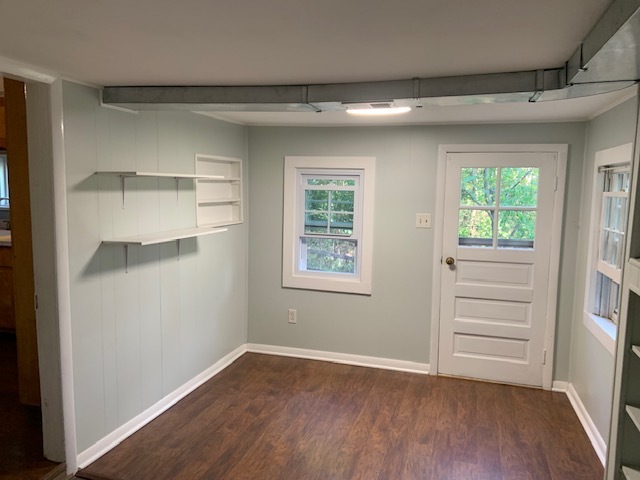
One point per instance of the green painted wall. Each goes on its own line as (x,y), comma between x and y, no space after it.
(138,336)
(592,366)
(395,321)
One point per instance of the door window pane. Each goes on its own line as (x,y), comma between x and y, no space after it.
(519,187)
(475,228)
(516,229)
(478,187)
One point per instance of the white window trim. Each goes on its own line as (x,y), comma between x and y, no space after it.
(603,329)
(291,278)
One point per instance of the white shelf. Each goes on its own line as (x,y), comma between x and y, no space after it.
(634,414)
(163,237)
(129,174)
(215,201)
(631,473)
(636,350)
(218,178)
(218,200)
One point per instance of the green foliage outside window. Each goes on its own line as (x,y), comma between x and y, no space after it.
(478,188)
(331,255)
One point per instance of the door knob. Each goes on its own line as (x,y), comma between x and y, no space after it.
(450,261)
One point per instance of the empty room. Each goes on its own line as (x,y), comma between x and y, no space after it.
(320,240)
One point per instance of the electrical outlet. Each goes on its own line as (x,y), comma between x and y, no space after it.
(293,316)
(423,220)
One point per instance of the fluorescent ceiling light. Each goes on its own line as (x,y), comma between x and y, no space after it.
(378,111)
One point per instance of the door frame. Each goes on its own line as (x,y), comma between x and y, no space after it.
(561,150)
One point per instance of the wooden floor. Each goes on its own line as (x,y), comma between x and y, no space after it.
(20,426)
(267,417)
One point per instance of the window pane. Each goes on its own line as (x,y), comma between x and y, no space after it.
(611,248)
(516,229)
(519,187)
(475,228)
(316,200)
(331,181)
(614,209)
(329,254)
(342,201)
(607,292)
(341,224)
(316,223)
(478,187)
(616,181)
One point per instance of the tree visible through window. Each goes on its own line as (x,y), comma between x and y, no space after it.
(328,243)
(498,207)
(328,223)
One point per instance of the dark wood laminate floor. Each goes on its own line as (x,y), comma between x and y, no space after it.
(20,426)
(267,417)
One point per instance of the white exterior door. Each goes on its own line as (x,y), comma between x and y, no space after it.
(496,250)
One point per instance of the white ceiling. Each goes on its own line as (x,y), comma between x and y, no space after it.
(252,42)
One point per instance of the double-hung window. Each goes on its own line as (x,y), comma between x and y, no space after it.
(327,231)
(606,252)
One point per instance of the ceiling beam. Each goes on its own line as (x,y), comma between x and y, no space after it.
(605,59)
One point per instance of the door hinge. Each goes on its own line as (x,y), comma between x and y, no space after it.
(35,300)
(544,357)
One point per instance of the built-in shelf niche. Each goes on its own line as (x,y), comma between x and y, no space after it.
(219,192)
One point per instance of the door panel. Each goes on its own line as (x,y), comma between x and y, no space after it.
(495,348)
(498,209)
(494,273)
(495,312)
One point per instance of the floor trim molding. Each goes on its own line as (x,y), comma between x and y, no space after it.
(344,358)
(119,434)
(597,441)
(560,387)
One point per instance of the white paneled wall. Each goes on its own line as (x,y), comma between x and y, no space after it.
(143,331)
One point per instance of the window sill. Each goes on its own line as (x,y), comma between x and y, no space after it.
(603,329)
(327,284)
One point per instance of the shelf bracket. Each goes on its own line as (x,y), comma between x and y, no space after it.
(178,245)
(122,178)
(177,189)
(126,258)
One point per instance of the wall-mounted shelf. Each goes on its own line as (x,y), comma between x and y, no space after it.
(163,237)
(128,174)
(634,414)
(631,473)
(218,199)
(176,176)
(211,201)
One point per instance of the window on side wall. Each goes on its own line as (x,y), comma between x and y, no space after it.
(612,176)
(328,223)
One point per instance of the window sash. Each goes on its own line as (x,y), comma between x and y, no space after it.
(301,254)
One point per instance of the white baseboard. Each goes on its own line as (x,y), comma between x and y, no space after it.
(119,434)
(561,387)
(597,441)
(344,358)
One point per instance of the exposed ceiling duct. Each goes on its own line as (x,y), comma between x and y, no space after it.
(607,60)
